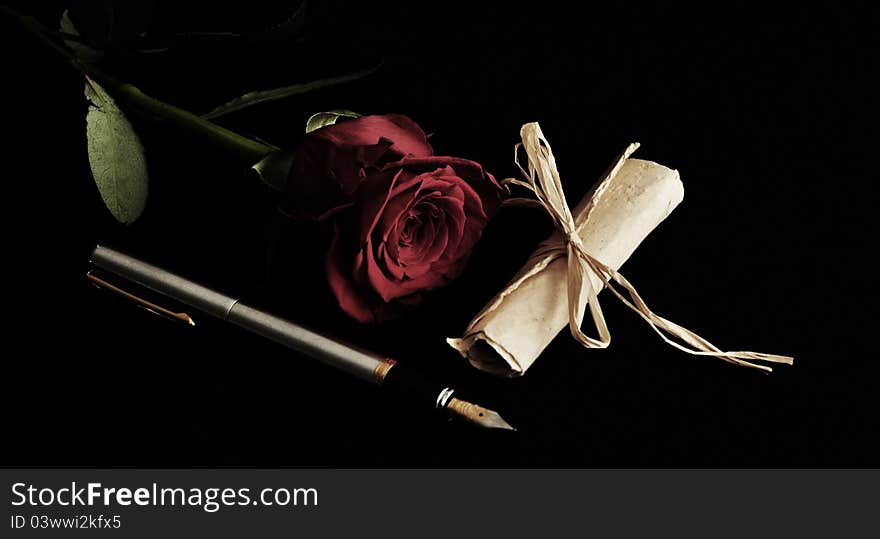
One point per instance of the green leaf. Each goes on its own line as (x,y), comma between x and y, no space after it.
(323,119)
(116,156)
(274,169)
(261,96)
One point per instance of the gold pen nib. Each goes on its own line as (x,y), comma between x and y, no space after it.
(478,415)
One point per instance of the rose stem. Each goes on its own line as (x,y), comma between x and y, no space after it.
(251,151)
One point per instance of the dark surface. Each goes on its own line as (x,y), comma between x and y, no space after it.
(769,116)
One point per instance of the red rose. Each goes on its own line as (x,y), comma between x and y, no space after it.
(401,226)
(410,229)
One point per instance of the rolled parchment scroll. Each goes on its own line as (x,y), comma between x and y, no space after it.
(562,278)
(509,334)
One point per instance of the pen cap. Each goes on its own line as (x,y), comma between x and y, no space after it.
(163,282)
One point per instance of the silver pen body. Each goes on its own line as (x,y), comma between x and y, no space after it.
(364,365)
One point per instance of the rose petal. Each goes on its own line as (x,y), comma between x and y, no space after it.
(386,286)
(438,246)
(347,293)
(400,203)
(406,136)
(391,263)
(371,198)
(473,230)
(426,281)
(426,262)
(448,231)
(489,191)
(455,220)
(413,255)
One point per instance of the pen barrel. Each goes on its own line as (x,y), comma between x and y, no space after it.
(365,365)
(347,358)
(344,357)
(162,281)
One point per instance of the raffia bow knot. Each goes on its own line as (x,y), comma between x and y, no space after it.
(542,179)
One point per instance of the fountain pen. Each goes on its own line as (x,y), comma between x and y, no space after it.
(362,364)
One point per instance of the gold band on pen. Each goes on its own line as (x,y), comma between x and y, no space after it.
(382,370)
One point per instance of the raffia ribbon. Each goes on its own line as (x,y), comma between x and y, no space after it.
(542,178)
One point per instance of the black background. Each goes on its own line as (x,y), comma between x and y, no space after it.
(768,113)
